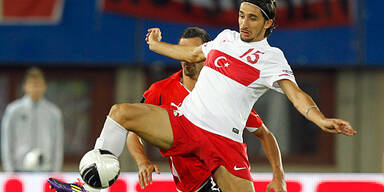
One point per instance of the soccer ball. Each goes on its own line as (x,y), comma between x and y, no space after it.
(34,160)
(99,168)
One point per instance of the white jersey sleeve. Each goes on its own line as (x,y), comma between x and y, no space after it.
(276,70)
(223,36)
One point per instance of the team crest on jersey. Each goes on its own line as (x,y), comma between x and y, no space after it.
(221,59)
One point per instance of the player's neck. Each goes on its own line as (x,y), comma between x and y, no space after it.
(188,82)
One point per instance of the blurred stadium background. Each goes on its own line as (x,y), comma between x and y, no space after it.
(93,54)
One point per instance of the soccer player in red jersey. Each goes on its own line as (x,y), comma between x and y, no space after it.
(189,173)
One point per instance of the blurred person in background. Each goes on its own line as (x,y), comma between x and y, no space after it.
(32,129)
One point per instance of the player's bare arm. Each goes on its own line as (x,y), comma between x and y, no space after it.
(190,54)
(145,166)
(307,107)
(272,151)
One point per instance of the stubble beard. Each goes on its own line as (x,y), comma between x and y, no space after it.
(246,40)
(190,71)
(251,39)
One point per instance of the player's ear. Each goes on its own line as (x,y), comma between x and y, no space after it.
(268,23)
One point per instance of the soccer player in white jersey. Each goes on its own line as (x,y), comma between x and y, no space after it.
(239,68)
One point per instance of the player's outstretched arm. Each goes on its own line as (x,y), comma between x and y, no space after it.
(307,107)
(190,54)
(136,149)
(272,151)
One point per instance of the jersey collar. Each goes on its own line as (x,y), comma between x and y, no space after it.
(27,99)
(177,75)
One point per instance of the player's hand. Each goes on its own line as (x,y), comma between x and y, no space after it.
(153,35)
(277,185)
(337,126)
(145,173)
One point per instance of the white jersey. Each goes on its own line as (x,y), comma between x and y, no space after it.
(234,76)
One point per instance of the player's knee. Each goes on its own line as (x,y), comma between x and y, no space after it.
(121,112)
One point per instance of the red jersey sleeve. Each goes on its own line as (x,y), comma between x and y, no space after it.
(254,121)
(152,95)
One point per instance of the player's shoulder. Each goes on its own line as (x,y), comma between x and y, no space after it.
(166,83)
(275,50)
(275,54)
(228,34)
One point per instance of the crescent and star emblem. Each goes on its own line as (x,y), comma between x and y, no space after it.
(226,64)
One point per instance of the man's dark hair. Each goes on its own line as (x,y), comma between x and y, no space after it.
(269,12)
(192,32)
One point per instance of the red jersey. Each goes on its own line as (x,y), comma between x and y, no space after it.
(166,91)
(189,173)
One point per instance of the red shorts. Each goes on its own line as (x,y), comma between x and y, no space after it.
(212,149)
(189,173)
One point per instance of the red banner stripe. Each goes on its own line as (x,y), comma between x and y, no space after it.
(34,8)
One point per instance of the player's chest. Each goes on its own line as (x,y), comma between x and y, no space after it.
(250,55)
(239,64)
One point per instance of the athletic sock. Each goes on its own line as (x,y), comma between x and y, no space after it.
(112,137)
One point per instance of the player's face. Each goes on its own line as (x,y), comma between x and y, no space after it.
(191,69)
(35,88)
(252,23)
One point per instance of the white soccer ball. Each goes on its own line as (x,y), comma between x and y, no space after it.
(33,160)
(99,168)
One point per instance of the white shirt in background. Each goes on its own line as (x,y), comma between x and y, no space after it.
(29,129)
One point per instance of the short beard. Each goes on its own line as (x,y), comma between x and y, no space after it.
(252,39)
(190,71)
(246,40)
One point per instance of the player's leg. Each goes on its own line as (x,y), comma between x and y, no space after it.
(227,160)
(228,182)
(150,122)
(209,186)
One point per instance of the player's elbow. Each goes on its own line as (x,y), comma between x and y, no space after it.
(263,133)
(268,133)
(195,56)
(193,59)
